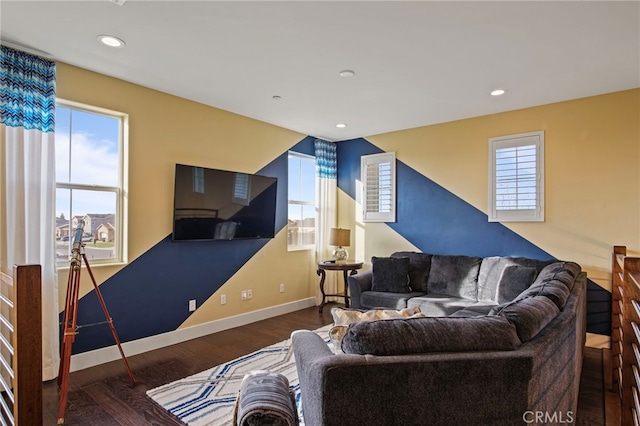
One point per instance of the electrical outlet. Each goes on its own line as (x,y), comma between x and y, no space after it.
(192,305)
(223,299)
(281,287)
(249,294)
(243,295)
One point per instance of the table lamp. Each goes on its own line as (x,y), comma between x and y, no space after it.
(340,237)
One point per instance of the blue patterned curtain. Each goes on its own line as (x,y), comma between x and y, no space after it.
(326,159)
(27,181)
(28,95)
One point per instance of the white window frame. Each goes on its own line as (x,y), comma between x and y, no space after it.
(298,247)
(515,213)
(120,191)
(373,182)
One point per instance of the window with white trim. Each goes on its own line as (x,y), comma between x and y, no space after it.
(379,187)
(301,228)
(516,178)
(90,181)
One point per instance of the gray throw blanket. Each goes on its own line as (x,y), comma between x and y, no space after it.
(265,399)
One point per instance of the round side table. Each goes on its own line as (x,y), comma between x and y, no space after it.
(348,267)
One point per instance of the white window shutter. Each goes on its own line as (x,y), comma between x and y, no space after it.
(379,187)
(516,178)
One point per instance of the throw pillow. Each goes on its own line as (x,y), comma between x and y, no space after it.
(347,316)
(513,281)
(336,333)
(419,265)
(454,276)
(343,317)
(390,274)
(430,334)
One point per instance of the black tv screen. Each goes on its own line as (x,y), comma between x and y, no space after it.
(211,204)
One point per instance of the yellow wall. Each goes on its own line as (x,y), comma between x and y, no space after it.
(164,130)
(592,178)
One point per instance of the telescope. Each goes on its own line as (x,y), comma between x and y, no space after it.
(70,325)
(77,245)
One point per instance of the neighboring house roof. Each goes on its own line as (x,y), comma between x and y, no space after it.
(109,227)
(97,219)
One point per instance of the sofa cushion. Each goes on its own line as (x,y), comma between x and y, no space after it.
(390,274)
(475,310)
(513,281)
(454,276)
(419,266)
(385,299)
(529,315)
(492,268)
(438,305)
(430,334)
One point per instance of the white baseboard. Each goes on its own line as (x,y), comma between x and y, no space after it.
(111,353)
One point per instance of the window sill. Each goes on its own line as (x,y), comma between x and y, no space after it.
(94,265)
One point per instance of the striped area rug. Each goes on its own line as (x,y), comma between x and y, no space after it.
(208,398)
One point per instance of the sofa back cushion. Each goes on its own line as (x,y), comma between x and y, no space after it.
(454,276)
(430,334)
(419,266)
(492,272)
(390,274)
(529,315)
(514,280)
(555,282)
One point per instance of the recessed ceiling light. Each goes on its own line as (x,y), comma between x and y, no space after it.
(111,41)
(347,73)
(498,92)
(341,125)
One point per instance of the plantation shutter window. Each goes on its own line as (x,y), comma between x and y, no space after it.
(379,187)
(516,183)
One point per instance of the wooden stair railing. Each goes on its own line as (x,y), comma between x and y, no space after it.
(21,346)
(625,333)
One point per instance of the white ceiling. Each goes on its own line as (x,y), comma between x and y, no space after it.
(416,63)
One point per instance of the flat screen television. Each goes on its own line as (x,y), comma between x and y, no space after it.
(211,204)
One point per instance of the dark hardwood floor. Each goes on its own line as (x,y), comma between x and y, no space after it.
(103,396)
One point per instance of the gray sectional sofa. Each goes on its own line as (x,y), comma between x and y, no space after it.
(502,345)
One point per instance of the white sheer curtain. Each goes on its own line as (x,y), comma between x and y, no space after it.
(27,193)
(327,193)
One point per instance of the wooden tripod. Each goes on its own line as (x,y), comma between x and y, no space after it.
(70,320)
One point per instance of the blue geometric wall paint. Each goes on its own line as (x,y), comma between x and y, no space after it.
(432,218)
(149,296)
(437,221)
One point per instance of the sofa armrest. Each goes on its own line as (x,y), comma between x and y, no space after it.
(357,284)
(308,345)
(310,351)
